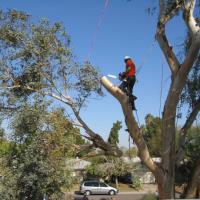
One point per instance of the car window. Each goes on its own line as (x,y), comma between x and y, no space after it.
(103,185)
(95,184)
(87,183)
(91,184)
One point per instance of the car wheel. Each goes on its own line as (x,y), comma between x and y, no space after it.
(111,192)
(87,192)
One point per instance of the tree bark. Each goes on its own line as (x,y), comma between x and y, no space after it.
(194,183)
(116,182)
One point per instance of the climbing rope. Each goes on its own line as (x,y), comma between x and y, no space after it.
(161,91)
(99,23)
(138,121)
(150,49)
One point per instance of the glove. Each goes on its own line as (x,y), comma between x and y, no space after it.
(122,76)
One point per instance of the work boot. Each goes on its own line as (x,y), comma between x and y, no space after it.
(133,105)
(132,101)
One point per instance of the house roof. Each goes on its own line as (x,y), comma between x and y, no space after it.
(78,164)
(137,159)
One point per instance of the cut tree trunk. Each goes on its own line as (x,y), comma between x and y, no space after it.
(136,135)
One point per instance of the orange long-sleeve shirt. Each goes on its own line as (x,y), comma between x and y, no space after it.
(131,72)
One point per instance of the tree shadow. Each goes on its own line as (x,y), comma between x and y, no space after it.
(78,198)
(105,199)
(77,192)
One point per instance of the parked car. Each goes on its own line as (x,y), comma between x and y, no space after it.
(96,187)
(126,178)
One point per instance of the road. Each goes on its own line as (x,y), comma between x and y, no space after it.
(122,196)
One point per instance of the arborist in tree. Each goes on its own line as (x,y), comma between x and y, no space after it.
(128,80)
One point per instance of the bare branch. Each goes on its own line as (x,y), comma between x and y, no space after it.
(65,99)
(10,87)
(6,108)
(189,18)
(77,124)
(164,17)
(184,131)
(162,38)
(167,50)
(162,7)
(94,154)
(82,148)
(95,138)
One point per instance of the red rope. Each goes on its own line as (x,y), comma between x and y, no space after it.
(100,20)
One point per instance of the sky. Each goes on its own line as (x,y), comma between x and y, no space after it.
(126,29)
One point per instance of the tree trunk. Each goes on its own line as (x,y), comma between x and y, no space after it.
(116,182)
(168,141)
(168,191)
(165,187)
(194,183)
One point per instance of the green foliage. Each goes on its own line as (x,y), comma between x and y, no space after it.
(88,79)
(32,172)
(132,152)
(4,144)
(191,92)
(193,144)
(136,183)
(114,133)
(35,162)
(36,58)
(192,150)
(5,147)
(152,131)
(109,166)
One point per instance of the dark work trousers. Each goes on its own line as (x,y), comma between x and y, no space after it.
(127,85)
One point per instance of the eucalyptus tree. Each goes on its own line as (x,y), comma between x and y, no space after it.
(180,71)
(36,59)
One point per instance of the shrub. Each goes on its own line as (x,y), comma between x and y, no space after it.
(149,196)
(136,183)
